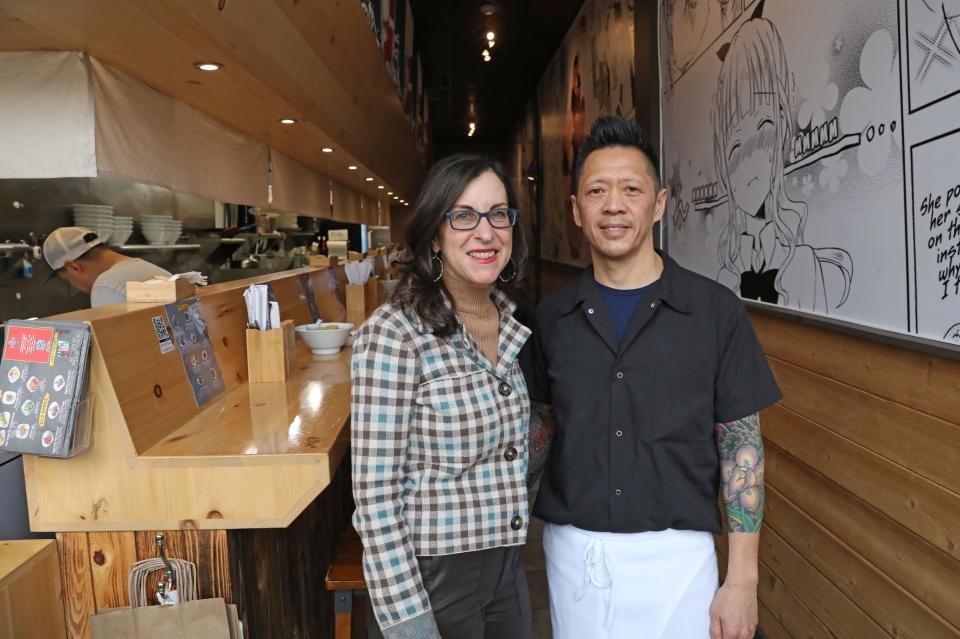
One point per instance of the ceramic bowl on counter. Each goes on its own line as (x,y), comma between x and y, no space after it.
(324,338)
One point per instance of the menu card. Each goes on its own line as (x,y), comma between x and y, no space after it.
(43,377)
(193,343)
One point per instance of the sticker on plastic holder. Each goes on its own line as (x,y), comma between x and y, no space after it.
(163,335)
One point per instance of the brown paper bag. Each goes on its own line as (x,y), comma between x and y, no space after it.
(201,619)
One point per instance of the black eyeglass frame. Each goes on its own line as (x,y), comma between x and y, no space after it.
(512,215)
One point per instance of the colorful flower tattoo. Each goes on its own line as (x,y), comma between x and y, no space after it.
(741,473)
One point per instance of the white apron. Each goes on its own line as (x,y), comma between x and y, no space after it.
(651,585)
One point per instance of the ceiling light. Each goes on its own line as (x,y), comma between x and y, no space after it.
(488,8)
(381,186)
(369,179)
(287,121)
(207,66)
(327,149)
(396,197)
(352,167)
(491,43)
(486,55)
(490,35)
(389,192)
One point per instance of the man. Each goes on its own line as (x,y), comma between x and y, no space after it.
(79,258)
(655,378)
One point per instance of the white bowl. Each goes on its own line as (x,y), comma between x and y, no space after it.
(154,237)
(324,341)
(119,237)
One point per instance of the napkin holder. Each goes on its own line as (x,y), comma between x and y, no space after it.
(270,354)
(159,290)
(362,300)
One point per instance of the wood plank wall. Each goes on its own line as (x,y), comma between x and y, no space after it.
(862,526)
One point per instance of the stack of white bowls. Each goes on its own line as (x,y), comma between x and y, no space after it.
(160,229)
(96,217)
(122,230)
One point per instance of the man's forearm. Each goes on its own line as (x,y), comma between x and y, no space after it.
(741,472)
(741,469)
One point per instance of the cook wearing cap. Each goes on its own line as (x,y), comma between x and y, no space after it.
(79,258)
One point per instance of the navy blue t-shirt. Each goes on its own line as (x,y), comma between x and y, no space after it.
(622,304)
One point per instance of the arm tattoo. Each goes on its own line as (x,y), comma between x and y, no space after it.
(741,473)
(543,426)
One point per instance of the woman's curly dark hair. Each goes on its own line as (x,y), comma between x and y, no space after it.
(417,291)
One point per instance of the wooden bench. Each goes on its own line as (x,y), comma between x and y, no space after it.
(345,579)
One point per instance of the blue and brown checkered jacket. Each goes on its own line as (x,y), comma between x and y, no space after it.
(439,450)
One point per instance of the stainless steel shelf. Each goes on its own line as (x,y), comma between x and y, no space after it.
(18,247)
(157,247)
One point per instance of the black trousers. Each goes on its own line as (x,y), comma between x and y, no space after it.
(475,595)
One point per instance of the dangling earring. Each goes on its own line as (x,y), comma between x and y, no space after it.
(509,279)
(436,256)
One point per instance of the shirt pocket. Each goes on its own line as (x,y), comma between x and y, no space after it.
(455,411)
(683,404)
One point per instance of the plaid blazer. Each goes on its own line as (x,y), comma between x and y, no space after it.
(439,450)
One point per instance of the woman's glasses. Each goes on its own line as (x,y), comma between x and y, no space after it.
(467,220)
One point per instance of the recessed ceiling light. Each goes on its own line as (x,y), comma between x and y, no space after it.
(369,179)
(327,149)
(207,66)
(491,43)
(389,192)
(488,8)
(396,197)
(381,186)
(490,35)
(352,167)
(287,121)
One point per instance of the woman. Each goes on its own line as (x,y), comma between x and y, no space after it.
(762,251)
(439,420)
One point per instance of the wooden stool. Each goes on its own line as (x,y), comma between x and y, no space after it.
(345,579)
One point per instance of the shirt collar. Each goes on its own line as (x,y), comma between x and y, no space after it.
(670,288)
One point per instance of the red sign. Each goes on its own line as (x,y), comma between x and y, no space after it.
(28,344)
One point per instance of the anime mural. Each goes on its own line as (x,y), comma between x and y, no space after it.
(806,156)
(591,75)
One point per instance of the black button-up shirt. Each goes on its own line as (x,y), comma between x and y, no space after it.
(635,448)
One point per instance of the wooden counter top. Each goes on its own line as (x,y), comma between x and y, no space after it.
(253,457)
(269,422)
(18,555)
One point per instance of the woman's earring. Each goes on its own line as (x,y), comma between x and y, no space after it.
(436,256)
(508,279)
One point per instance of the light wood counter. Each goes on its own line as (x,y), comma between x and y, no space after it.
(31,605)
(253,457)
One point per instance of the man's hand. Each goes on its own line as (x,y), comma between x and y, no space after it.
(733,613)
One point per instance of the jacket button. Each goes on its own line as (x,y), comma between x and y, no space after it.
(504,389)
(619,433)
(517,522)
(510,453)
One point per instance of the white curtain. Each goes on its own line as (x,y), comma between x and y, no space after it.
(46,116)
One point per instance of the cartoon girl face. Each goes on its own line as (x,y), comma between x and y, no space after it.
(750,156)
